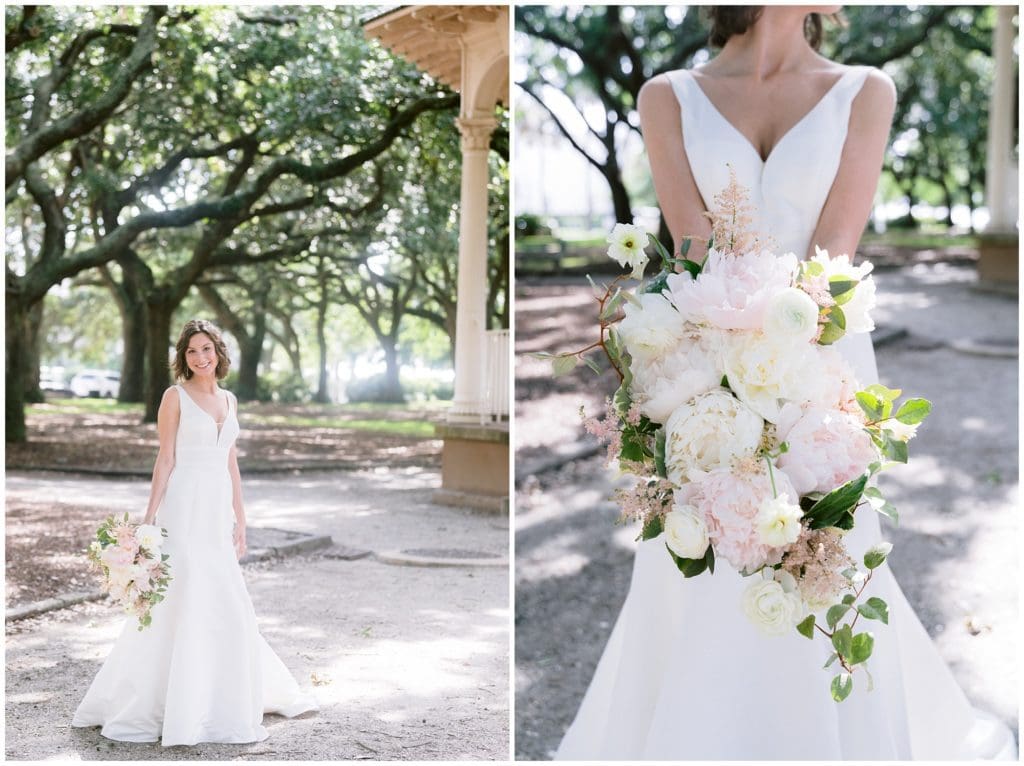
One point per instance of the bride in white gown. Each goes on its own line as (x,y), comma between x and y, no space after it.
(201,672)
(685,675)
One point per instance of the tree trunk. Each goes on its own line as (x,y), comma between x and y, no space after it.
(33,323)
(17,366)
(133,365)
(158,378)
(322,394)
(620,198)
(392,383)
(251,350)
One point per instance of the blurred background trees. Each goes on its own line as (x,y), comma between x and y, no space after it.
(579,70)
(269,168)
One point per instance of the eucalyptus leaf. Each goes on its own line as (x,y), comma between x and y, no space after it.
(876,555)
(875,609)
(861,648)
(842,685)
(842,640)
(806,626)
(657,284)
(835,613)
(564,364)
(659,453)
(832,658)
(591,364)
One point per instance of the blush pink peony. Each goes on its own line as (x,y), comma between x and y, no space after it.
(730,500)
(733,291)
(827,448)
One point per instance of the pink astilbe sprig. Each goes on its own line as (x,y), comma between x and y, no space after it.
(607,429)
(816,560)
(731,218)
(648,499)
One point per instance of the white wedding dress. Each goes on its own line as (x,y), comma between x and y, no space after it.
(685,675)
(201,672)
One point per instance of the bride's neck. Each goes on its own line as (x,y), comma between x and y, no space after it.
(774,44)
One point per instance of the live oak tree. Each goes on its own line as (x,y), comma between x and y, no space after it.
(150,138)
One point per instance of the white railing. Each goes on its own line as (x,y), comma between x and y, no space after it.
(496,384)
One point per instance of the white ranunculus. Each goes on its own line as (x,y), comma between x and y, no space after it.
(686,534)
(650,330)
(710,432)
(626,247)
(765,372)
(778,521)
(857,309)
(772,606)
(663,385)
(149,537)
(791,314)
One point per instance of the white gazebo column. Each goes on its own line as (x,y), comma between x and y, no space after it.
(471,311)
(1000,198)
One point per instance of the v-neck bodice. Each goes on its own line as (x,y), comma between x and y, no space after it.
(788,189)
(197,428)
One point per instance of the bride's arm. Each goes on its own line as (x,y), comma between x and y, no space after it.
(849,201)
(680,201)
(236,493)
(167,430)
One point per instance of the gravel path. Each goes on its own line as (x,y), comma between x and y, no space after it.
(955,555)
(407,663)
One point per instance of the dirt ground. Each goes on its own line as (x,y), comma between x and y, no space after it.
(407,663)
(958,499)
(119,442)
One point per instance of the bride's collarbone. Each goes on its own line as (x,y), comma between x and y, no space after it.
(214,404)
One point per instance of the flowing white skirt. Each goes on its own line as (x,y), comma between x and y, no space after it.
(685,675)
(201,672)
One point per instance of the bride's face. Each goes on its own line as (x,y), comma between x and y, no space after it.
(201,355)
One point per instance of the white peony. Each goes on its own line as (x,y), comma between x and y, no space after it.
(827,448)
(686,534)
(791,314)
(765,372)
(626,247)
(773,605)
(650,330)
(778,521)
(857,309)
(149,537)
(711,432)
(663,385)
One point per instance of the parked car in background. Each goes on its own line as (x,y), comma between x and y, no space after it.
(96,383)
(53,380)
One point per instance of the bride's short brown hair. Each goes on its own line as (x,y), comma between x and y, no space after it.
(179,368)
(729,20)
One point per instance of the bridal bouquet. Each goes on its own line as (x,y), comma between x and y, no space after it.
(750,436)
(133,569)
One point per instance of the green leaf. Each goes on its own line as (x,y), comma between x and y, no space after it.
(724,383)
(870,404)
(842,640)
(591,364)
(621,400)
(813,268)
(833,330)
(842,685)
(665,255)
(685,247)
(880,504)
(694,567)
(876,555)
(913,411)
(837,317)
(657,284)
(831,509)
(564,364)
(894,449)
(806,626)
(832,658)
(632,446)
(835,614)
(653,527)
(611,308)
(861,647)
(849,598)
(841,288)
(692,267)
(875,609)
(659,453)
(883,393)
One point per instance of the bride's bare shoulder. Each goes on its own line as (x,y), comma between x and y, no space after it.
(656,101)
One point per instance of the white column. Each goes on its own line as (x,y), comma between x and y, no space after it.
(471,309)
(999,171)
